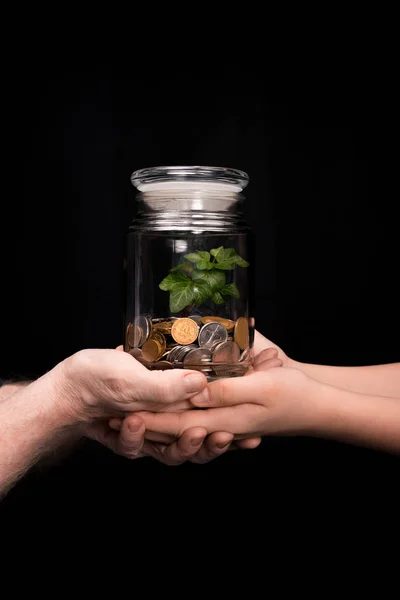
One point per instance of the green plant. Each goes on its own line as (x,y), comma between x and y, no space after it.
(202,278)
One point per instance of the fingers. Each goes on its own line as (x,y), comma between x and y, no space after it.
(247,444)
(266,354)
(128,441)
(180,451)
(214,445)
(169,387)
(131,437)
(267,359)
(228,392)
(115,423)
(152,436)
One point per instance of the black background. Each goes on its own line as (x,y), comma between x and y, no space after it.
(317,142)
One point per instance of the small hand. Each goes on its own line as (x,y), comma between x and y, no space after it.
(117,435)
(271,400)
(262,343)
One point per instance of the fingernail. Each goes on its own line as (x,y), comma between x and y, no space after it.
(194,383)
(196,441)
(202,398)
(134,426)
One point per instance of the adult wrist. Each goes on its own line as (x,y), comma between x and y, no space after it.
(60,397)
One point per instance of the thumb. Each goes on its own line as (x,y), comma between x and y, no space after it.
(172,386)
(231,391)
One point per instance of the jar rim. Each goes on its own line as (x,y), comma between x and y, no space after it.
(189,176)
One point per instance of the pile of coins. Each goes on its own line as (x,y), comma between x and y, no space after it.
(210,344)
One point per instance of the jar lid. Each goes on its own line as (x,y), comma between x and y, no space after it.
(189,177)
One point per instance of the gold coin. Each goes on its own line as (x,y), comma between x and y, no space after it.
(160,338)
(185,331)
(151,350)
(163,326)
(241,334)
(227,323)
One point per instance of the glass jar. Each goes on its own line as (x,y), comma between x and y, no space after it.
(189,272)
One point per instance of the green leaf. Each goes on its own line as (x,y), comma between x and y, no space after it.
(225,254)
(217,298)
(216,251)
(172,280)
(182,267)
(204,265)
(230,290)
(227,265)
(181,296)
(204,255)
(214,278)
(194,257)
(200,258)
(240,261)
(201,291)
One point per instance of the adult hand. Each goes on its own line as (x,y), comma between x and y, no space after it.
(126,436)
(106,383)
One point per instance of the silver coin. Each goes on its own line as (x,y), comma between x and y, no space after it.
(226,352)
(196,319)
(144,324)
(197,356)
(179,352)
(212,333)
(183,351)
(171,356)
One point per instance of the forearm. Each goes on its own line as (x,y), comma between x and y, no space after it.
(34,419)
(380,380)
(360,419)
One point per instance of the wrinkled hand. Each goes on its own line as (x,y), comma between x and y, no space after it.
(106,383)
(127,438)
(111,382)
(166,449)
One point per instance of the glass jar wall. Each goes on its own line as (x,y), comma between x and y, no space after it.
(189,272)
